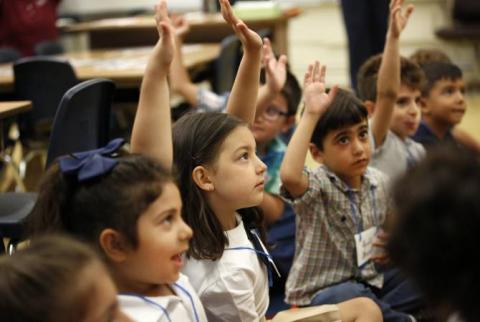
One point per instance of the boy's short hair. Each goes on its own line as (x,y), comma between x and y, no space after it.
(345,110)
(436,71)
(411,75)
(429,55)
(291,91)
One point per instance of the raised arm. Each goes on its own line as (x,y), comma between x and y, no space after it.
(243,97)
(316,103)
(179,78)
(388,82)
(275,76)
(152,131)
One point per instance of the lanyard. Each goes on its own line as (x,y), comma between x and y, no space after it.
(410,159)
(195,314)
(356,215)
(262,256)
(146,300)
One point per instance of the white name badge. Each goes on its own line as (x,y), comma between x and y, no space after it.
(363,243)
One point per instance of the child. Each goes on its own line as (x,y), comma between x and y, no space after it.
(390,86)
(204,100)
(221,180)
(426,56)
(129,208)
(436,236)
(339,206)
(56,279)
(443,104)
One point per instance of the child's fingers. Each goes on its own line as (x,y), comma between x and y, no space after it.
(332,93)
(308,75)
(323,70)
(409,11)
(283,60)
(316,72)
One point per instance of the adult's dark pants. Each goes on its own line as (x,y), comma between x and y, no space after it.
(366,22)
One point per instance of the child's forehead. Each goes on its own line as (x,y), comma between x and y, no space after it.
(448,81)
(350,128)
(405,90)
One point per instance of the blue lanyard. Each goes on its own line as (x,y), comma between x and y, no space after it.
(357,216)
(146,300)
(195,314)
(410,159)
(261,254)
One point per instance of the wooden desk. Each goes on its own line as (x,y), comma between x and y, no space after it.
(11,108)
(124,66)
(140,30)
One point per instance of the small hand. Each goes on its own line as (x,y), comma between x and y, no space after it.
(181,25)
(316,100)
(251,41)
(275,70)
(166,44)
(399,19)
(381,256)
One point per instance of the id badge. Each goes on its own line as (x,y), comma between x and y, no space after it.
(363,244)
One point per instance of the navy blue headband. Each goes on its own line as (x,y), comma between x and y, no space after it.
(91,164)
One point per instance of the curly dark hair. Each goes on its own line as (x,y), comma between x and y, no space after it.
(435,239)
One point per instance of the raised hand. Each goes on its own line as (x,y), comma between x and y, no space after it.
(398,17)
(316,99)
(249,38)
(166,44)
(275,70)
(181,26)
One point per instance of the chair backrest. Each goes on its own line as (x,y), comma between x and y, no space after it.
(9,54)
(49,47)
(42,80)
(83,118)
(226,65)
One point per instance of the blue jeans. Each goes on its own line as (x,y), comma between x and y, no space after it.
(395,298)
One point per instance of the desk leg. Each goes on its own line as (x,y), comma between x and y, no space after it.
(7,161)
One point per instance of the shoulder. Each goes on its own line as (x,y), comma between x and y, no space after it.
(376,177)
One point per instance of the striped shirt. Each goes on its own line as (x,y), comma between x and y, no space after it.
(329,214)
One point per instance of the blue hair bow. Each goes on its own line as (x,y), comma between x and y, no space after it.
(91,164)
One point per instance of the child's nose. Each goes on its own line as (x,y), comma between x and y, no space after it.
(261,167)
(186,232)
(357,147)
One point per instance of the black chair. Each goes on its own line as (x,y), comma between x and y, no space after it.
(14,209)
(8,55)
(226,65)
(83,118)
(44,81)
(48,48)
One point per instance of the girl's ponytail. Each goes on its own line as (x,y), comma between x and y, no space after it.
(50,213)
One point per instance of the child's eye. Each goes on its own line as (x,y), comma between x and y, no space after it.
(343,140)
(363,134)
(167,220)
(402,102)
(448,91)
(244,156)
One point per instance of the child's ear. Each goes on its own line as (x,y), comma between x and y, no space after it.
(201,176)
(316,153)
(370,107)
(113,245)
(289,121)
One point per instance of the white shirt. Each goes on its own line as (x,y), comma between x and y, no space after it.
(234,287)
(393,156)
(184,306)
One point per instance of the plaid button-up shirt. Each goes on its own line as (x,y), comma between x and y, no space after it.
(329,214)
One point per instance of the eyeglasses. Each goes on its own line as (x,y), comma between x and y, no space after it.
(272,113)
